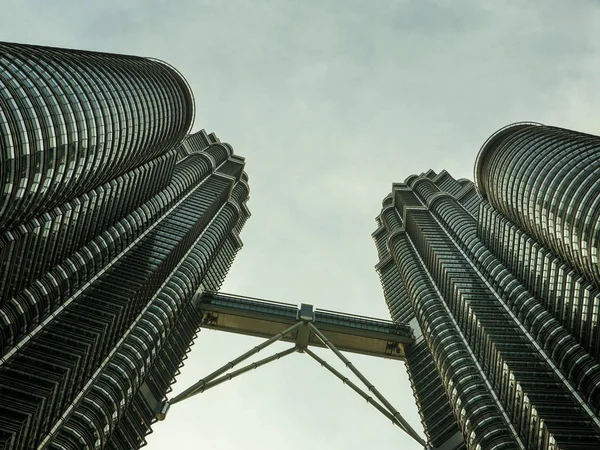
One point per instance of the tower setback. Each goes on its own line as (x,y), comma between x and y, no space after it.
(113,219)
(499,279)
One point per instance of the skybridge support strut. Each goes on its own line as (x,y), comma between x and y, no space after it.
(395,414)
(196,387)
(302,333)
(355,388)
(236,373)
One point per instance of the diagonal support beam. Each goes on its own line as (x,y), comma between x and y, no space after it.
(405,425)
(197,386)
(355,388)
(236,373)
(304,328)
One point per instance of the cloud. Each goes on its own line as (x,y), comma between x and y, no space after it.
(330,102)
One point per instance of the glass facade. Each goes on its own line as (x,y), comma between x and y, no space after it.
(545,181)
(112,219)
(501,291)
(73,120)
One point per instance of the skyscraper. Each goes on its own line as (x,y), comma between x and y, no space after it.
(500,279)
(112,219)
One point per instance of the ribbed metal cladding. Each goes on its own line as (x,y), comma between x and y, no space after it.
(71,120)
(66,228)
(562,291)
(465,386)
(123,315)
(29,307)
(545,180)
(435,410)
(430,395)
(539,382)
(111,222)
(96,416)
(576,364)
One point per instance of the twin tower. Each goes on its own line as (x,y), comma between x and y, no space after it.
(114,218)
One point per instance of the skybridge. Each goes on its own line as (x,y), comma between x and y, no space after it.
(305,327)
(263,318)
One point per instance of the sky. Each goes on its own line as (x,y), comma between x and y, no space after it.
(331,102)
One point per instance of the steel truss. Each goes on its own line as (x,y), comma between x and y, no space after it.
(305,324)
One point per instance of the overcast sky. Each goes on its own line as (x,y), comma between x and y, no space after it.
(330,102)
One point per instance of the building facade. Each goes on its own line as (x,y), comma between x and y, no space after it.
(500,281)
(113,218)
